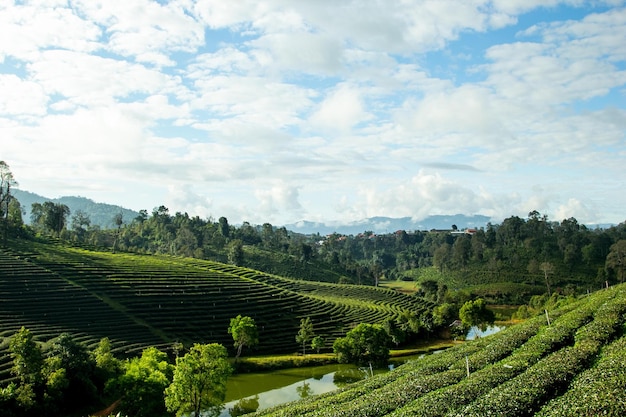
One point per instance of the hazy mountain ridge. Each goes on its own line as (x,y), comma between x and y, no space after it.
(100,214)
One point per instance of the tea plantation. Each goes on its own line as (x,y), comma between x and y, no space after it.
(576,366)
(139,301)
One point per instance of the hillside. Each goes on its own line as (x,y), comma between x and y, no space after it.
(576,366)
(150,300)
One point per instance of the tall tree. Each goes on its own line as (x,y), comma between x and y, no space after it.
(616,259)
(28,364)
(305,333)
(49,216)
(548,269)
(224,227)
(72,360)
(7,181)
(80,223)
(235,252)
(244,332)
(199,382)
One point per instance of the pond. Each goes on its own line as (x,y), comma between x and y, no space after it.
(476,332)
(246,393)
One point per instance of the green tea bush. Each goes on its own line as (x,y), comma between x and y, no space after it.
(598,391)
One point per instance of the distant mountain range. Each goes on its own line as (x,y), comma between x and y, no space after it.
(100,214)
(390,225)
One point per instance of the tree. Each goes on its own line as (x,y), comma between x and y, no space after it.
(366,343)
(616,259)
(7,181)
(80,223)
(444,314)
(244,332)
(475,313)
(27,367)
(305,333)
(235,252)
(318,343)
(143,383)
(27,357)
(394,331)
(49,216)
(548,269)
(107,365)
(73,367)
(224,228)
(118,220)
(199,382)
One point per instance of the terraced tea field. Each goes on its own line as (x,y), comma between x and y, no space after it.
(576,366)
(148,300)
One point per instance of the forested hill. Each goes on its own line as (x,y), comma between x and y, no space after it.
(100,214)
(504,263)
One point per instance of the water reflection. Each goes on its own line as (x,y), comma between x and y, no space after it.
(244,406)
(304,390)
(476,332)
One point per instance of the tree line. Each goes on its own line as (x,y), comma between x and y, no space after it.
(534,247)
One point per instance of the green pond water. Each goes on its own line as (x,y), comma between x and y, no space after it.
(246,393)
(251,392)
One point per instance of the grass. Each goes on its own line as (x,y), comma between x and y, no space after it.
(406,287)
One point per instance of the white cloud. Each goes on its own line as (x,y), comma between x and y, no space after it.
(93,80)
(284,108)
(26,29)
(21,97)
(145,29)
(577,209)
(342,109)
(277,198)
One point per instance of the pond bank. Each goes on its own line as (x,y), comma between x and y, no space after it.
(275,362)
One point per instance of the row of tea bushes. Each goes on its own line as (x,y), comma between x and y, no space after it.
(512,373)
(550,377)
(599,391)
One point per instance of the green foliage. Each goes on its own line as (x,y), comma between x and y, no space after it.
(235,252)
(199,382)
(70,368)
(476,313)
(244,331)
(50,217)
(27,357)
(143,383)
(318,343)
(305,334)
(366,343)
(444,314)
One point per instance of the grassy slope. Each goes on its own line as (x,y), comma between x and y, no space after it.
(572,367)
(145,300)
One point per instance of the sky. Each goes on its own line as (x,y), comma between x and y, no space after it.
(279,110)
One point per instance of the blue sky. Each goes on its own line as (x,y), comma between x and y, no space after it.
(278,111)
